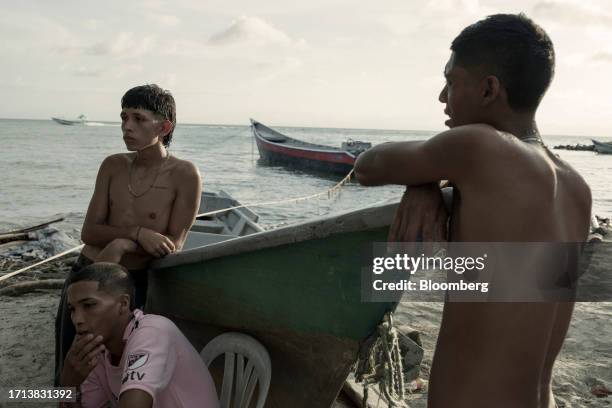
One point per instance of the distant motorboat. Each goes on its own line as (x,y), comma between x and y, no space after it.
(602,147)
(81,120)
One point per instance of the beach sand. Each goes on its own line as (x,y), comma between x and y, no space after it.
(27,331)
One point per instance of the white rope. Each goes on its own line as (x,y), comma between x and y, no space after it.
(329,191)
(8,275)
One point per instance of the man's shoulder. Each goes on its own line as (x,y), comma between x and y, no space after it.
(472,139)
(184,165)
(184,169)
(157,323)
(117,158)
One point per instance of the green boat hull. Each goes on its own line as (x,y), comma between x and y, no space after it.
(301,300)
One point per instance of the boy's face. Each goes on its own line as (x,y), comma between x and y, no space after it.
(141,128)
(95,311)
(461,94)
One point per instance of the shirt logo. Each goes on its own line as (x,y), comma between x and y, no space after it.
(137,360)
(132,376)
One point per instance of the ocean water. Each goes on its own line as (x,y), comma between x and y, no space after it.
(48,170)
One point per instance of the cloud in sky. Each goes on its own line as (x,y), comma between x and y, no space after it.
(165,20)
(86,72)
(602,57)
(250,31)
(573,12)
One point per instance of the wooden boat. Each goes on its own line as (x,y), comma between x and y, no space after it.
(81,120)
(296,289)
(602,147)
(276,148)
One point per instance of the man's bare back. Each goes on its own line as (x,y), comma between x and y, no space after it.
(482,337)
(508,188)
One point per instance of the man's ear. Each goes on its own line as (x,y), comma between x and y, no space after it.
(491,89)
(166,127)
(124,303)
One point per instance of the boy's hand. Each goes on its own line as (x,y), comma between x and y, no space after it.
(115,250)
(421,216)
(155,243)
(83,356)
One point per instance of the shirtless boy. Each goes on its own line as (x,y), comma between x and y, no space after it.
(508,188)
(122,357)
(146,197)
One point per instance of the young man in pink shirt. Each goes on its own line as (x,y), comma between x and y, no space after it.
(124,358)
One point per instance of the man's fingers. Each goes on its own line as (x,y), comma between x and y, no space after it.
(169,244)
(79,342)
(440,229)
(411,231)
(427,231)
(88,347)
(395,228)
(95,353)
(392,237)
(151,250)
(165,248)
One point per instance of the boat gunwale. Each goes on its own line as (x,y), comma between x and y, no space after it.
(377,216)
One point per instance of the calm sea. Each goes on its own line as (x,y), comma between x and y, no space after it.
(48,170)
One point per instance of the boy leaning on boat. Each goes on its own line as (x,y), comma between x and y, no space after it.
(144,201)
(124,358)
(508,187)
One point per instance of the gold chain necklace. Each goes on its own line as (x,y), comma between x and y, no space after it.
(152,183)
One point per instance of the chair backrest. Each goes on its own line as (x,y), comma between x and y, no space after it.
(237,348)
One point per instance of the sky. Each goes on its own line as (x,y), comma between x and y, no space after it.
(315,63)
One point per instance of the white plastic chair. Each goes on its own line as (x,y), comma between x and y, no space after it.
(258,368)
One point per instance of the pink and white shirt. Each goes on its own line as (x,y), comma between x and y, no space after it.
(157,359)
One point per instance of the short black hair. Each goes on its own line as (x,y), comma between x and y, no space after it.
(112,278)
(513,48)
(155,99)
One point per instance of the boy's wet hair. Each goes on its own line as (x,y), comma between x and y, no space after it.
(514,49)
(155,99)
(112,278)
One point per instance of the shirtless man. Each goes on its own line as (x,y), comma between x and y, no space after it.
(122,357)
(147,197)
(508,188)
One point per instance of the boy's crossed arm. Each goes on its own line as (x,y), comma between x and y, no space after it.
(118,240)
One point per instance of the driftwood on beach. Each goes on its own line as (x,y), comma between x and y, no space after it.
(40,277)
(31,286)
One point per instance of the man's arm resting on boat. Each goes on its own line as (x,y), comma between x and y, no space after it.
(115,250)
(95,232)
(453,155)
(186,203)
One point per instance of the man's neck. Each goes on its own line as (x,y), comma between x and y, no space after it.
(521,125)
(151,155)
(116,345)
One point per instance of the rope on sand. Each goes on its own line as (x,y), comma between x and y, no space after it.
(330,192)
